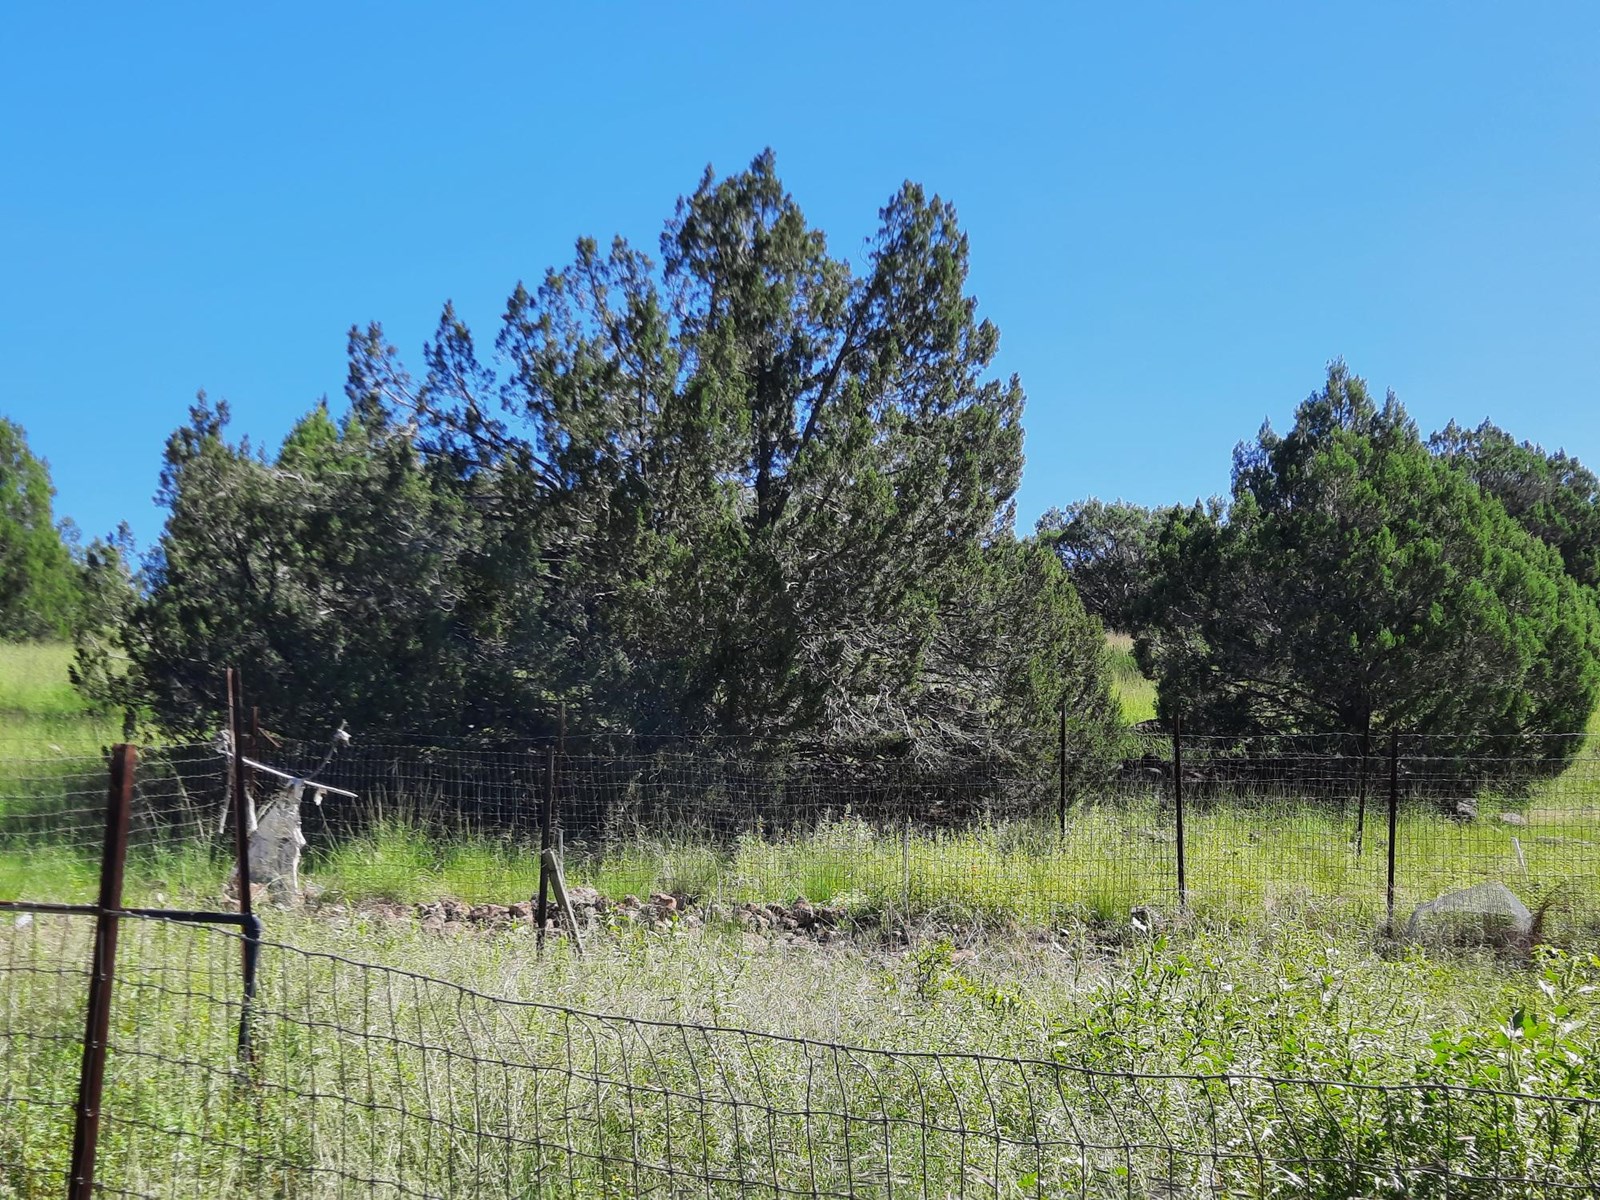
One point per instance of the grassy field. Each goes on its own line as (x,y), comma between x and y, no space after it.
(41,715)
(1240,860)
(480,1071)
(377,1083)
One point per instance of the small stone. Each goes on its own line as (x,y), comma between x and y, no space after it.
(663,902)
(1513,819)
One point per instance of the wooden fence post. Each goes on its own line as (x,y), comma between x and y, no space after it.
(558,880)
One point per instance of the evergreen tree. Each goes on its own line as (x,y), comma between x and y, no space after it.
(39,587)
(330,572)
(756,490)
(1359,583)
(1106,550)
(1553,496)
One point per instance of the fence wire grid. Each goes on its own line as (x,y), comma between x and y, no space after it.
(377,1082)
(1261,822)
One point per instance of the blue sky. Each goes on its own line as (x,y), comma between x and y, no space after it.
(1178,212)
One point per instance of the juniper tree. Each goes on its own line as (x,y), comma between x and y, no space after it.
(1357,582)
(751,488)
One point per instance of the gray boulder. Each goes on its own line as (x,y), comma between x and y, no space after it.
(1488,914)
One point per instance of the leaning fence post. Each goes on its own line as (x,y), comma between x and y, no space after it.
(251,945)
(546,819)
(97,1024)
(1394,820)
(552,865)
(1177,804)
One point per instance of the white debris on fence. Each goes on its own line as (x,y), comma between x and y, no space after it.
(276,839)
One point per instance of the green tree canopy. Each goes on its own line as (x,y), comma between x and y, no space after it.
(335,571)
(1357,582)
(39,586)
(1553,496)
(1106,550)
(754,490)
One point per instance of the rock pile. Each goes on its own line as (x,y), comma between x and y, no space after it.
(662,912)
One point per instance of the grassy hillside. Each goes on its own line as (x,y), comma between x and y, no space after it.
(1136,693)
(41,714)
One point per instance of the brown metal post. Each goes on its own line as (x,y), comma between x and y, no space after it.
(251,944)
(1061,776)
(546,820)
(1394,818)
(97,1024)
(1177,804)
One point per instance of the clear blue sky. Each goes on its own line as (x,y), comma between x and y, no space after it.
(1178,212)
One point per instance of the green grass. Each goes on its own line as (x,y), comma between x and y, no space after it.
(1135,693)
(380,1084)
(1242,863)
(42,717)
(33,679)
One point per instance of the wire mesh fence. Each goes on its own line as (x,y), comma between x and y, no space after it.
(53,820)
(372,1081)
(1261,820)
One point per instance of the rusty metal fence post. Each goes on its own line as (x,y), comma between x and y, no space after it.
(249,923)
(97,1022)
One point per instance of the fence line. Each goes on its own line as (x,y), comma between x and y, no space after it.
(374,1081)
(1261,822)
